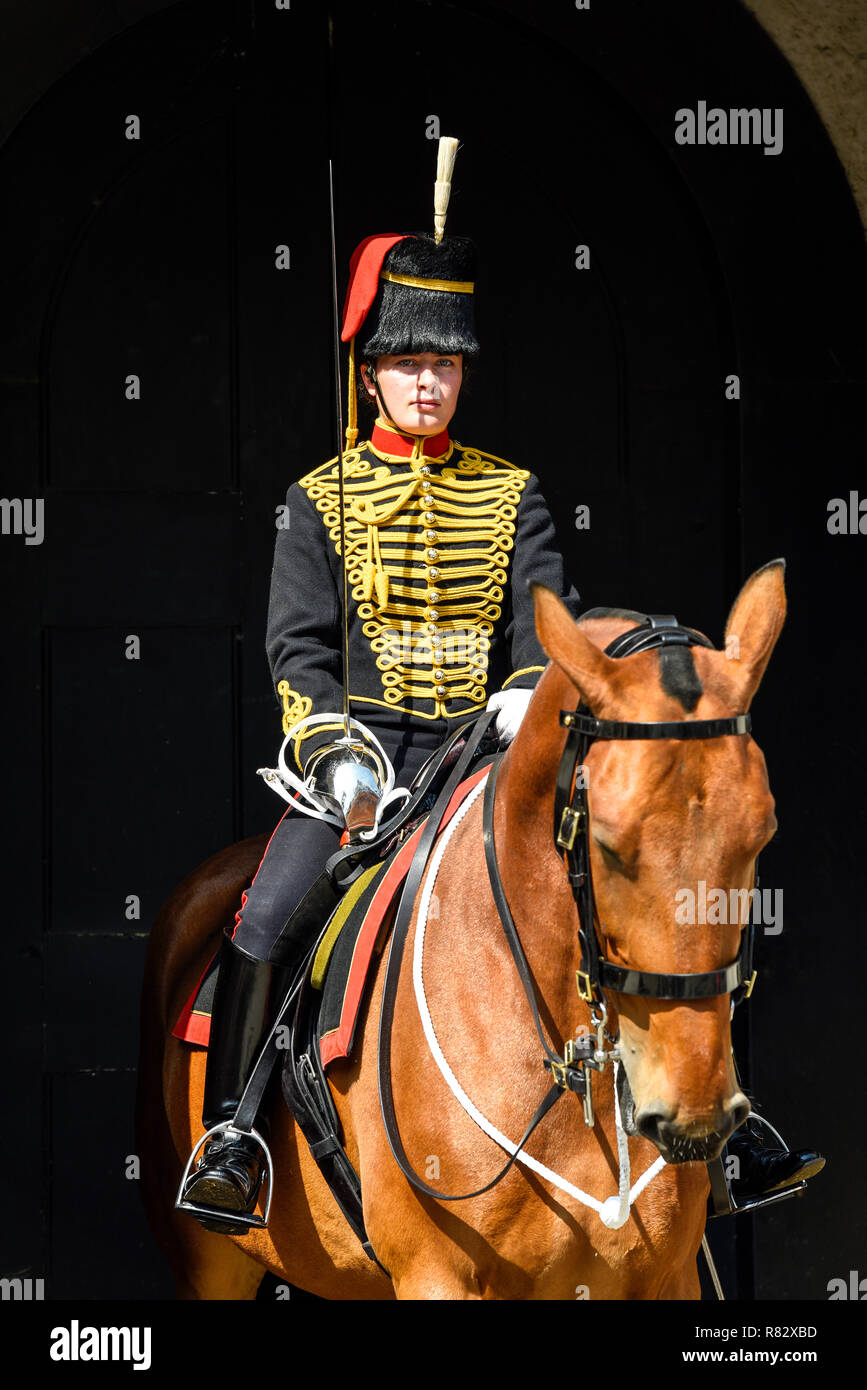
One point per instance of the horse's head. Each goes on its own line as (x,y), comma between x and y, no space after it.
(671,821)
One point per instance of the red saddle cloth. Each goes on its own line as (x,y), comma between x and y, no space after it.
(194,1021)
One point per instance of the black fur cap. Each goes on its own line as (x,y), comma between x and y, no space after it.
(403,318)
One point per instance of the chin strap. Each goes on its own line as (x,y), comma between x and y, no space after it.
(371,372)
(352,400)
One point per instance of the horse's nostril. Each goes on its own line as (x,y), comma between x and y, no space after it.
(654,1125)
(692,1143)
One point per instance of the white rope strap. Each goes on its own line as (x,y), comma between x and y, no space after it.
(613,1211)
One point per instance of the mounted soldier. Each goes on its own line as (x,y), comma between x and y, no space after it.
(400,598)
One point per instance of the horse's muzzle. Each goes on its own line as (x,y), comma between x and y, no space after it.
(679,1143)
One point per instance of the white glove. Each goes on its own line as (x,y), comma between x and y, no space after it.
(512,705)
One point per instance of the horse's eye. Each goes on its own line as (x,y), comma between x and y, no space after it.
(611,855)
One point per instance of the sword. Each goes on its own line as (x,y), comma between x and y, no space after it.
(337,382)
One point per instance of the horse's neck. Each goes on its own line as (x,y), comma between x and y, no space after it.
(534,756)
(533,873)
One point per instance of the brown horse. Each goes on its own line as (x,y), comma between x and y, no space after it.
(662,815)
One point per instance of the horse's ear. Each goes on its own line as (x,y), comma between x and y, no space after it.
(753,626)
(588,668)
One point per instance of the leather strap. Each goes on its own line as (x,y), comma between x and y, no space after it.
(506,918)
(392,977)
(571,827)
(652,986)
(254,1091)
(346,865)
(658,630)
(679,729)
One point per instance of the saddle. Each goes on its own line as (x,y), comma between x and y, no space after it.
(356,897)
(333,898)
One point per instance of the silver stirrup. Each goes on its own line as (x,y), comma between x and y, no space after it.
(240,1218)
(724,1201)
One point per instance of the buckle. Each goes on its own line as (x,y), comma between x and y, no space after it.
(567,1077)
(571,821)
(585,987)
(557,1070)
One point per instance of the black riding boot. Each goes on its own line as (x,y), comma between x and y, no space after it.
(248,994)
(763,1165)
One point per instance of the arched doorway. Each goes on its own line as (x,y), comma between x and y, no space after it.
(167,380)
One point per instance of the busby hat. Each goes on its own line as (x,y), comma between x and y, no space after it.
(411,292)
(424,300)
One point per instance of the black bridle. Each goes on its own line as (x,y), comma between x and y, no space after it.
(572,825)
(571,831)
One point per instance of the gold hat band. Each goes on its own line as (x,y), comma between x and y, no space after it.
(452,286)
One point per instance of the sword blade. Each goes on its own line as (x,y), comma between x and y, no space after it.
(340,437)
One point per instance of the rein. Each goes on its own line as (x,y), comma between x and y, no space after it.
(571,828)
(402,921)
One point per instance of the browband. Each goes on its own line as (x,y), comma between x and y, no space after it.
(679,728)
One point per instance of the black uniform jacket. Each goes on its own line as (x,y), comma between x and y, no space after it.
(442,541)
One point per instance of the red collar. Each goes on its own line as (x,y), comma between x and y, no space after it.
(388,440)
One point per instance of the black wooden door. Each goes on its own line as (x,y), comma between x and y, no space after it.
(167,373)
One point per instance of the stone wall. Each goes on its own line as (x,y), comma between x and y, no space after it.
(826,44)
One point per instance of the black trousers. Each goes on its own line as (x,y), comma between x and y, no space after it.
(295,856)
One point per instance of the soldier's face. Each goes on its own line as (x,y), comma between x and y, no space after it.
(420,389)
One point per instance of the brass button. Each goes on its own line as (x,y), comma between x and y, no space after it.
(430,517)
(439,675)
(433,595)
(425,468)
(425,487)
(433,572)
(432,614)
(433,555)
(432,535)
(432,627)
(441,690)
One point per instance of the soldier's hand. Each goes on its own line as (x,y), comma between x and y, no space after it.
(511,706)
